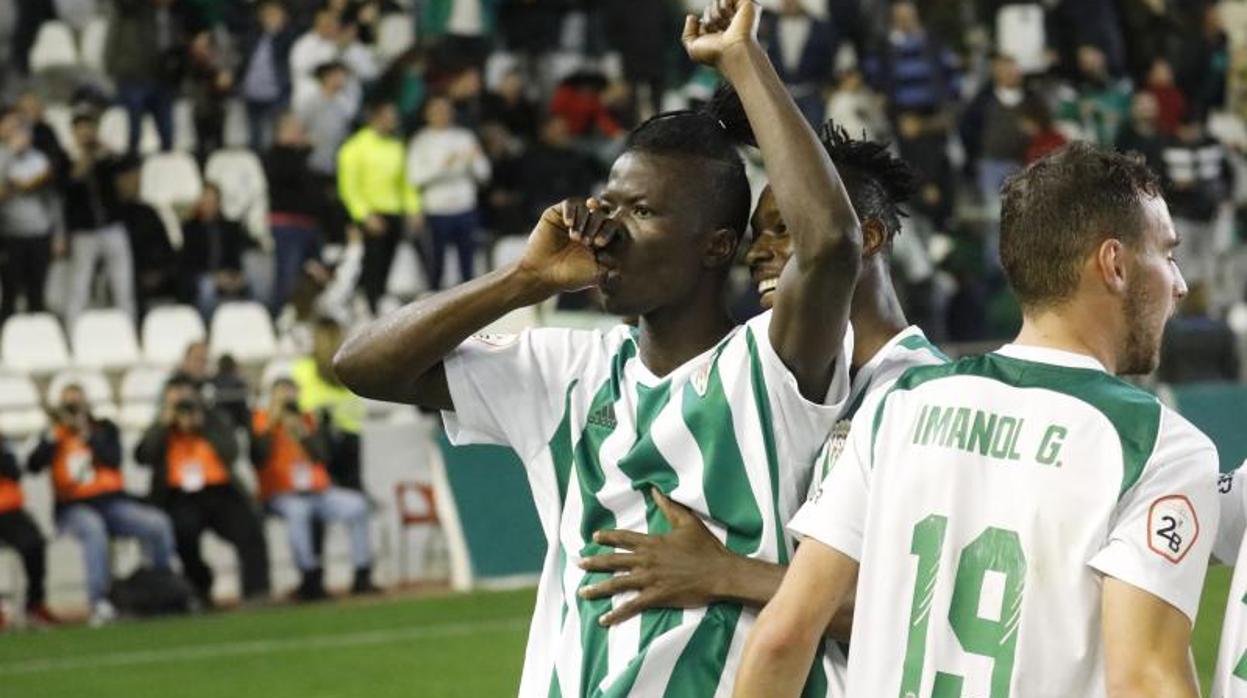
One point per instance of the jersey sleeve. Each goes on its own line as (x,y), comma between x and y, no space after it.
(835,514)
(801,425)
(1163,528)
(1232,488)
(511,390)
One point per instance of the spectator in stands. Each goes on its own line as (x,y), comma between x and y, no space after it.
(553,170)
(231,395)
(1197,179)
(263,77)
(1097,103)
(1203,60)
(208,84)
(372,182)
(446,163)
(1170,102)
(19,531)
(143,56)
(502,198)
(295,208)
(84,456)
(155,260)
(289,450)
(93,217)
(640,32)
(578,100)
(1042,134)
(464,27)
(30,105)
(1142,133)
(326,117)
(325,289)
(31,14)
(27,217)
(329,40)
(1197,347)
(510,106)
(803,50)
(340,411)
(920,80)
(211,256)
(193,369)
(856,107)
(191,451)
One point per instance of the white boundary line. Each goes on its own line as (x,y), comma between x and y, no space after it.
(218,650)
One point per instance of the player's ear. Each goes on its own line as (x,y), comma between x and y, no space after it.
(721,248)
(1111,264)
(874,237)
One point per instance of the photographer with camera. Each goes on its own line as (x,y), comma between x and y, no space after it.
(84,454)
(289,450)
(191,451)
(19,531)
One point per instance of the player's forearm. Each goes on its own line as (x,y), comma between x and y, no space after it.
(777,656)
(753,583)
(807,187)
(387,358)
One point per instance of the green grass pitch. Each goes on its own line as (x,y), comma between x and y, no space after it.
(464,646)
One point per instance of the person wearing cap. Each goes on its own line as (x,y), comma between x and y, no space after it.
(93,217)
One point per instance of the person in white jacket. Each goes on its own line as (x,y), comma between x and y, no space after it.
(446,163)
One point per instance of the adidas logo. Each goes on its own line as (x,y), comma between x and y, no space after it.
(604,417)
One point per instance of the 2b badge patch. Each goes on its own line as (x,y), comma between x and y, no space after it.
(1172,527)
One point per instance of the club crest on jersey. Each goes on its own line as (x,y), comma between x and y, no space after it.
(1173,527)
(497,341)
(701,378)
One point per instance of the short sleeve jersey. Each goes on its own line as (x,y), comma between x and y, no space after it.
(986,498)
(727,434)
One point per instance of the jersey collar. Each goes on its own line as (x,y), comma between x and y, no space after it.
(1045,355)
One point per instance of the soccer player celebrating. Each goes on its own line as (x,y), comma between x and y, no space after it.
(723,419)
(1229,680)
(688,566)
(1023,522)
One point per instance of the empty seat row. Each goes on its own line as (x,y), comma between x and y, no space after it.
(106,340)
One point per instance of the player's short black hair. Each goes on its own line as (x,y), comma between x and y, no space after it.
(702,134)
(877,181)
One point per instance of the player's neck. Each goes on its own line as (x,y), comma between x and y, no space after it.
(671,337)
(1053,329)
(876,314)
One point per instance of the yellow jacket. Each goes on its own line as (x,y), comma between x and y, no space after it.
(372,176)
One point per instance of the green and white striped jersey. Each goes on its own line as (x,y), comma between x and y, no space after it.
(986,498)
(909,348)
(727,434)
(1230,678)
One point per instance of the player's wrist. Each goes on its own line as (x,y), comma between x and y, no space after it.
(739,58)
(528,285)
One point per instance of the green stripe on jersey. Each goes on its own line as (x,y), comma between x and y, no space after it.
(760,397)
(919,343)
(700,667)
(1133,412)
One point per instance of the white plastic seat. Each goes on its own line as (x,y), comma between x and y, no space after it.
(20,412)
(105,339)
(239,175)
(274,369)
(143,384)
(94,383)
(114,132)
(20,424)
(395,34)
(94,39)
(167,331)
(34,343)
(136,416)
(54,47)
(171,179)
(244,330)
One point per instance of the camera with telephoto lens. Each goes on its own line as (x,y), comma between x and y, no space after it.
(186,406)
(291,407)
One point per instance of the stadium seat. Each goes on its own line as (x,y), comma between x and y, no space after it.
(105,339)
(114,132)
(244,188)
(244,330)
(54,47)
(274,369)
(167,331)
(94,38)
(140,395)
(20,411)
(171,179)
(184,135)
(395,34)
(34,343)
(94,383)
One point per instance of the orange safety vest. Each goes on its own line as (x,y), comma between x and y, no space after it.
(289,467)
(75,475)
(193,464)
(10,495)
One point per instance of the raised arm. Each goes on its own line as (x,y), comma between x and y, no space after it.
(399,357)
(816,287)
(1147,645)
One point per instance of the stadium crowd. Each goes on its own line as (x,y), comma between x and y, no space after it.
(452,124)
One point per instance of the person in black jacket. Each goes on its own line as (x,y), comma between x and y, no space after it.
(155,261)
(191,451)
(19,531)
(295,207)
(263,78)
(212,247)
